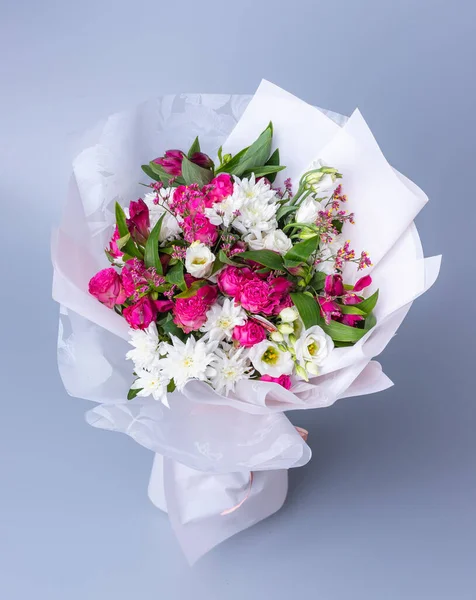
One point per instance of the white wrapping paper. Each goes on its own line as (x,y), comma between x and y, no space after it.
(211,443)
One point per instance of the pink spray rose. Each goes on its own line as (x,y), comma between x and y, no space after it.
(231,279)
(219,188)
(107,287)
(198,227)
(267,297)
(141,314)
(113,248)
(191,313)
(283,380)
(249,334)
(138,222)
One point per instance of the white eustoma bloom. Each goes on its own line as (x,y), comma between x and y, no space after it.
(326,255)
(268,359)
(278,241)
(289,314)
(222,319)
(322,185)
(157,205)
(189,360)
(145,354)
(199,260)
(312,349)
(308,211)
(229,368)
(152,383)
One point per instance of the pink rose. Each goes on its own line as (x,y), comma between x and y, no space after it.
(113,248)
(249,334)
(267,297)
(198,227)
(163,305)
(107,287)
(231,279)
(283,380)
(141,314)
(191,313)
(138,222)
(219,188)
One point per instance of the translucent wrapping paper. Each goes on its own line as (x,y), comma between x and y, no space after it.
(221,462)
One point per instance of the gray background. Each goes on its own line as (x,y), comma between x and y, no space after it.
(386,510)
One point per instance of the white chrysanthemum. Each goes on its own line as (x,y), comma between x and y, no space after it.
(326,255)
(229,368)
(268,359)
(156,204)
(199,260)
(224,213)
(152,383)
(257,211)
(145,354)
(189,360)
(312,349)
(221,320)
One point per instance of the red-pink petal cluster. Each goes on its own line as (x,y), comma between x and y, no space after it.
(108,288)
(283,380)
(249,334)
(191,313)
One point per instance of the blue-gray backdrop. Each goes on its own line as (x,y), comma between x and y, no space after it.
(386,509)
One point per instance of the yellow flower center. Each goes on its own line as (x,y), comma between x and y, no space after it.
(270,356)
(313,348)
(199,261)
(188,361)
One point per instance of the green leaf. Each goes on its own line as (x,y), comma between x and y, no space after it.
(217,265)
(193,289)
(132,393)
(220,154)
(303,250)
(170,328)
(262,171)
(256,155)
(150,173)
(151,254)
(129,247)
(307,307)
(195,147)
(351,309)
(367,306)
(192,173)
(273,160)
(159,171)
(232,163)
(121,242)
(175,276)
(223,258)
(171,386)
(318,280)
(267,258)
(285,210)
(342,333)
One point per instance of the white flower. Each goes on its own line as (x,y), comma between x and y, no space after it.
(189,360)
(224,212)
(229,367)
(268,359)
(289,314)
(145,354)
(309,211)
(322,184)
(312,349)
(158,204)
(153,383)
(278,241)
(256,209)
(327,253)
(199,260)
(221,320)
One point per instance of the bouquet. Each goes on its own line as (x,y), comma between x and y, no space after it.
(257,268)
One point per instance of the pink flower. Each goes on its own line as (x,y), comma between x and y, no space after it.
(107,287)
(172,160)
(198,227)
(351,320)
(191,313)
(249,334)
(138,222)
(113,248)
(163,305)
(219,188)
(189,200)
(265,297)
(283,380)
(138,280)
(334,285)
(141,314)
(231,279)
(329,308)
(362,283)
